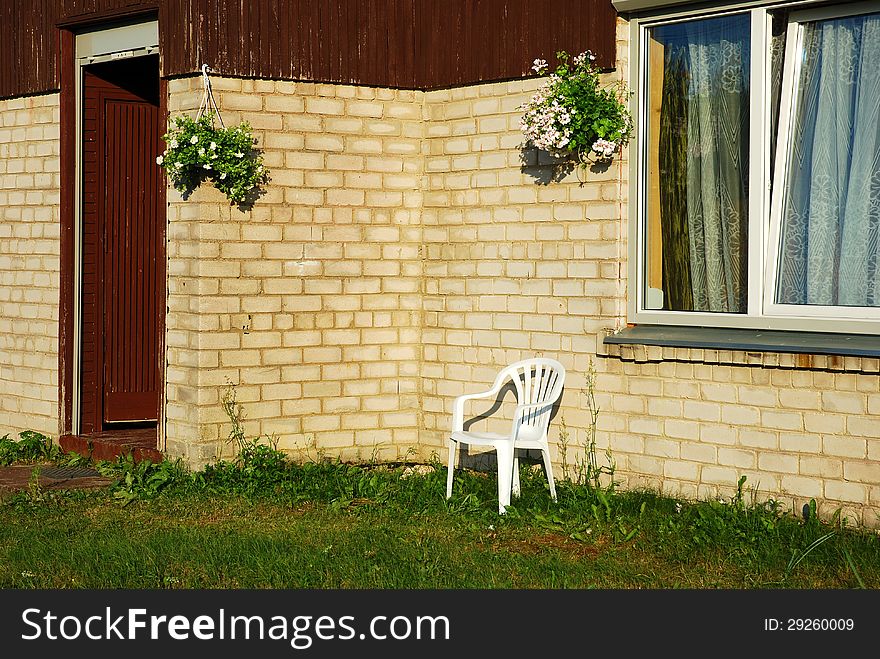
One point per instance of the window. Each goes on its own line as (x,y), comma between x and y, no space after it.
(759,187)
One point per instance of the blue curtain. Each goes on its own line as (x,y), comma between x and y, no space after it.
(831,209)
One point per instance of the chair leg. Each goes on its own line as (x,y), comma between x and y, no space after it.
(453,449)
(545,453)
(514,488)
(505,474)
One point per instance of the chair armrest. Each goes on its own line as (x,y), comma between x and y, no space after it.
(458,404)
(458,407)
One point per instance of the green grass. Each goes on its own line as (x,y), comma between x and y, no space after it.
(263,522)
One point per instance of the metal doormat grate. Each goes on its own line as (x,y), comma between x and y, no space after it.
(63,473)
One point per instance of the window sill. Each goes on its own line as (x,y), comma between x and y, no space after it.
(771,348)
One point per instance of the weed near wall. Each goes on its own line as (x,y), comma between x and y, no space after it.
(29,447)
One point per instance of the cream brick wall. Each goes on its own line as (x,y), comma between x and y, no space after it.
(520,262)
(405,250)
(408,248)
(29,264)
(798,427)
(522,256)
(520,259)
(310,303)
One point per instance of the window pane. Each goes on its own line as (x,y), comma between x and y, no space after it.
(831,208)
(697,165)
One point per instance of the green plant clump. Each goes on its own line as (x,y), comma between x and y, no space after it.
(199,151)
(30,447)
(572,115)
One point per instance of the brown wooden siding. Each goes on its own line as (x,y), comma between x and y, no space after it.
(421,44)
(368,42)
(28,47)
(465,41)
(418,44)
(30,40)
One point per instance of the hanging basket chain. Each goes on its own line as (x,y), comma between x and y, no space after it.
(208,102)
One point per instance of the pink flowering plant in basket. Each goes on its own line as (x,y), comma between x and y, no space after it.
(573,116)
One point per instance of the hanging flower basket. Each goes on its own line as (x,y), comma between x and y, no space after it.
(198,151)
(573,116)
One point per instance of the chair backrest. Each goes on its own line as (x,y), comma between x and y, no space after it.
(538,380)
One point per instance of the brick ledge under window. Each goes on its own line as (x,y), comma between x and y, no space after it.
(769,348)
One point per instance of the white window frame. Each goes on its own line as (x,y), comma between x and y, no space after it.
(790,78)
(763,222)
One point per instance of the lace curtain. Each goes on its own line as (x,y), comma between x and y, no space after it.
(831,211)
(704,135)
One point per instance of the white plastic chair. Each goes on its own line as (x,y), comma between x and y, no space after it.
(538,384)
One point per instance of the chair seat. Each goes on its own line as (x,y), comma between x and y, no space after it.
(479,438)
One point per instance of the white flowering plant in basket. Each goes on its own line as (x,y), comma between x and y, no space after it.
(198,151)
(572,115)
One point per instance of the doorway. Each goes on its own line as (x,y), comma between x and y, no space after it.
(122,296)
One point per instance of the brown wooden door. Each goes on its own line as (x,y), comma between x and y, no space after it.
(123,255)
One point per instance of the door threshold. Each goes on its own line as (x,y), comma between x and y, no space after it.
(139,443)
